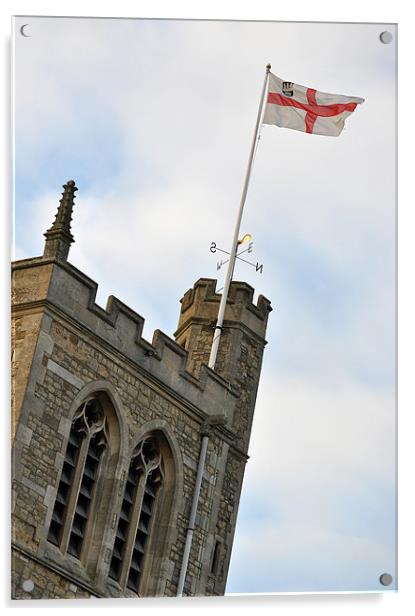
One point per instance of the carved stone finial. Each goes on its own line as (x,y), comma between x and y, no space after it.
(59,236)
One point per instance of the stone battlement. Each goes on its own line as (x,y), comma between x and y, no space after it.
(202,303)
(62,289)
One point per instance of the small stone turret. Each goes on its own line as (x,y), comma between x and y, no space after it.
(241,347)
(59,237)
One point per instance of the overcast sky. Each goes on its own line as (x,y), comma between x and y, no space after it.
(154,119)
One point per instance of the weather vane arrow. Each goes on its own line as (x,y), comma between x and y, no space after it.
(246,238)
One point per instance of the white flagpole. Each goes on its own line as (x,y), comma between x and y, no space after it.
(235,243)
(214,351)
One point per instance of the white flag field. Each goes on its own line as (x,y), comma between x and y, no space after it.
(290,105)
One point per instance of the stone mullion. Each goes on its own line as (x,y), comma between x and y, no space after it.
(73,496)
(93,502)
(146,570)
(132,531)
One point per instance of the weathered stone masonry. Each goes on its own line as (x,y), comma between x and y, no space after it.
(67,349)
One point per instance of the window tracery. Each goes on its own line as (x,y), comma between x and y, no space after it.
(145,476)
(88,440)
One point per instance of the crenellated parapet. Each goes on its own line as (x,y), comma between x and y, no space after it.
(201,303)
(64,292)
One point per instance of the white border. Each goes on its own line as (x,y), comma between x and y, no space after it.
(301,10)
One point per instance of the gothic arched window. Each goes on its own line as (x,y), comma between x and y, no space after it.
(75,499)
(145,477)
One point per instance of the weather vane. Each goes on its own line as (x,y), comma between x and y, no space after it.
(247,239)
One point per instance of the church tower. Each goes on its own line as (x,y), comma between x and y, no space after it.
(107,431)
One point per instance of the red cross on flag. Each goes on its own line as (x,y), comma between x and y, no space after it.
(292,106)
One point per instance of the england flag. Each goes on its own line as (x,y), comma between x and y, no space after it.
(290,105)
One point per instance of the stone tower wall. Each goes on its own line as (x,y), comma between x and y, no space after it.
(67,348)
(75,345)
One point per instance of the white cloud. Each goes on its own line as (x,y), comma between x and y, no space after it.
(318,499)
(305,557)
(316,435)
